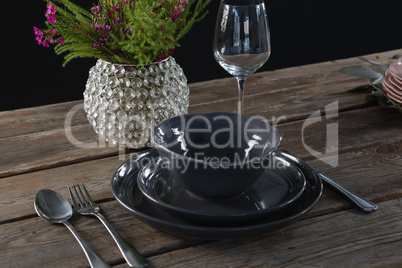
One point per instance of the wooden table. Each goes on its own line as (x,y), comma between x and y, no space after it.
(36,154)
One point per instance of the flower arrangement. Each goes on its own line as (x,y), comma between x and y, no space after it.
(385,81)
(122,31)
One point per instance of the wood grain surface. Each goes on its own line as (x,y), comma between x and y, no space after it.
(36,153)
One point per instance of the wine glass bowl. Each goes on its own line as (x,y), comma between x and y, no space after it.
(242,40)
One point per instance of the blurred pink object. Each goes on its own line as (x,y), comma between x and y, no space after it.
(392,82)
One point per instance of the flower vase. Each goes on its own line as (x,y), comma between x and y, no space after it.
(124,102)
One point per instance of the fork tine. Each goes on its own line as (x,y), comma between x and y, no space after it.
(82,203)
(83,196)
(76,206)
(91,201)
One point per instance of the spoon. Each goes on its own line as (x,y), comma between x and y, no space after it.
(360,202)
(55,208)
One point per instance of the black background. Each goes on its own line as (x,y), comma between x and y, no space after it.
(302,32)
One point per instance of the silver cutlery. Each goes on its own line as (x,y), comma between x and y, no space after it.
(359,201)
(55,208)
(87,206)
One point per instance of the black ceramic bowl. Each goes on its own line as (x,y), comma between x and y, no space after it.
(215,155)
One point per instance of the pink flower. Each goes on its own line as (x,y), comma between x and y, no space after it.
(38,35)
(95,46)
(160,58)
(95,9)
(51,19)
(53,31)
(50,13)
(96,26)
(60,40)
(178,9)
(50,10)
(38,32)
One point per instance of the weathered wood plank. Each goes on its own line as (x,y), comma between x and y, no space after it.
(290,103)
(373,172)
(58,150)
(35,242)
(352,240)
(370,160)
(225,89)
(357,129)
(49,149)
(18,192)
(38,119)
(358,169)
(347,239)
(29,128)
(52,148)
(364,135)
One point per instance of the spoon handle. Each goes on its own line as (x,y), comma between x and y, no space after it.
(359,201)
(132,257)
(94,260)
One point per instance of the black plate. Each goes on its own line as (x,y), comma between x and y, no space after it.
(281,184)
(125,189)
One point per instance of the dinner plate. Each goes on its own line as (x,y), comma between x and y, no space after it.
(125,189)
(281,184)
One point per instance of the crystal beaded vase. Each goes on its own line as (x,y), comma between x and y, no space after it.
(124,102)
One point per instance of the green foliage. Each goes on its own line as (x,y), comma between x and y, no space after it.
(124,31)
(147,39)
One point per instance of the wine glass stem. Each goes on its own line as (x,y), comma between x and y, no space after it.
(240,102)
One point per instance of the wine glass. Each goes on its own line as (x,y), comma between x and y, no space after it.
(242,40)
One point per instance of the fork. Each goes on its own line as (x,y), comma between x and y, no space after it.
(87,206)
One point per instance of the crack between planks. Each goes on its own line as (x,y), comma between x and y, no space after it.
(17,172)
(286,88)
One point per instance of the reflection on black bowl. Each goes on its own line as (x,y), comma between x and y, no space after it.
(215,155)
(278,188)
